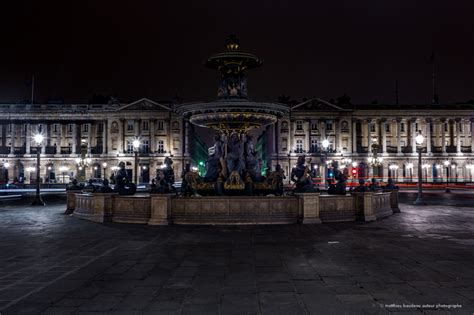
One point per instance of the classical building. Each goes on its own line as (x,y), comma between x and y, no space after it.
(358,133)
(96,133)
(105,133)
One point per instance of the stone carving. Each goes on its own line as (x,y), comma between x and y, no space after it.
(234,157)
(122,183)
(300,176)
(74,185)
(215,160)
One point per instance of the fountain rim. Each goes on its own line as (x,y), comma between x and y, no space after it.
(236,105)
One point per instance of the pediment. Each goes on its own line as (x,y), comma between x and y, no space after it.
(144,104)
(318,104)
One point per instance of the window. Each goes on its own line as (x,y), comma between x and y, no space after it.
(130,125)
(145,146)
(100,128)
(460,128)
(86,128)
(145,125)
(387,127)
(329,125)
(372,127)
(25,127)
(69,128)
(161,125)
(299,146)
(299,125)
(402,127)
(416,127)
(129,146)
(445,127)
(314,126)
(55,128)
(161,146)
(314,145)
(40,128)
(402,143)
(431,127)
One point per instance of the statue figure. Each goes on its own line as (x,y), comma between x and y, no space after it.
(340,187)
(275,180)
(189,180)
(105,188)
(374,185)
(234,156)
(214,160)
(300,176)
(361,187)
(391,185)
(251,162)
(90,188)
(164,179)
(122,183)
(74,185)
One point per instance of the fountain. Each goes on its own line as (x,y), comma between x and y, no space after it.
(233,189)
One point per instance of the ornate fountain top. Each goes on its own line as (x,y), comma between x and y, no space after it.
(232,111)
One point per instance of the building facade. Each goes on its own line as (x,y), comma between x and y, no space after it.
(357,133)
(105,133)
(101,134)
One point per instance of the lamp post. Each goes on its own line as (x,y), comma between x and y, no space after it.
(325,144)
(136,145)
(38,201)
(446,164)
(63,170)
(419,199)
(104,166)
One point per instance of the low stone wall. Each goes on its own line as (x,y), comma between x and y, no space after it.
(162,209)
(336,208)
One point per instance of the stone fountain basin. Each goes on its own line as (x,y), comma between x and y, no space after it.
(162,209)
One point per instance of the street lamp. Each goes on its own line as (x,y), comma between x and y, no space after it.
(419,199)
(63,170)
(104,166)
(38,201)
(446,165)
(136,145)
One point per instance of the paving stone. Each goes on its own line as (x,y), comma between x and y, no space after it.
(60,264)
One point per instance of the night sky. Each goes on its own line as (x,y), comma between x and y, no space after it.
(155,49)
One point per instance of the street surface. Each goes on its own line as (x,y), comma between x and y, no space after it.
(413,262)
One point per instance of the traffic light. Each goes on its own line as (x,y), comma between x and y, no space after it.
(354,171)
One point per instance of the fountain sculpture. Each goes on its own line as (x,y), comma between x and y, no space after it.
(232,167)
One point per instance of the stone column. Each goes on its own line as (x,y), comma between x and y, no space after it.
(384,135)
(399,135)
(369,137)
(472,135)
(89,138)
(136,123)
(337,133)
(12,138)
(322,130)
(152,136)
(59,134)
(428,135)
(74,138)
(105,131)
(458,135)
(451,132)
(443,135)
(123,134)
(186,138)
(413,135)
(28,138)
(354,136)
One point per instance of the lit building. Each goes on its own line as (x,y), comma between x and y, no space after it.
(357,134)
(79,139)
(85,141)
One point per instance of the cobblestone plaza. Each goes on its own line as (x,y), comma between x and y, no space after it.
(60,264)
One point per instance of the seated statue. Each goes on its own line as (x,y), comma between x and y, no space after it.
(90,188)
(300,176)
(340,187)
(164,179)
(251,162)
(105,188)
(275,180)
(390,185)
(123,185)
(235,158)
(74,185)
(374,185)
(361,187)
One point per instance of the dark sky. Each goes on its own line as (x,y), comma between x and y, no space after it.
(310,48)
